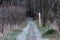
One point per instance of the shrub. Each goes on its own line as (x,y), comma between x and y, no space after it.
(50,31)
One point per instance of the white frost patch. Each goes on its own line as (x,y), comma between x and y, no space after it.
(38,34)
(23,35)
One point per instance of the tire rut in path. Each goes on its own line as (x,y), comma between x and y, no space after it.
(31,33)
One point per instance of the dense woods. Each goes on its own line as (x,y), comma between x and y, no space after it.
(51,15)
(11,13)
(50,12)
(16,11)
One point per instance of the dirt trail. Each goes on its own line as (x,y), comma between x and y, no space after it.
(30,32)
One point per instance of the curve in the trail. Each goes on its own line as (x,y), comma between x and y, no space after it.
(30,32)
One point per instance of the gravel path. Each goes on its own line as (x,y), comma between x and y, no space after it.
(30,32)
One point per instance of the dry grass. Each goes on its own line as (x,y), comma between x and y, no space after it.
(55,36)
(10,35)
(1,36)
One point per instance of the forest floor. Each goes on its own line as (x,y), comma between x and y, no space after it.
(54,36)
(11,35)
(30,32)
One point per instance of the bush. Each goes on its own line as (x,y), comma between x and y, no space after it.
(50,31)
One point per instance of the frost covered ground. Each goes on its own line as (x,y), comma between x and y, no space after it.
(30,32)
